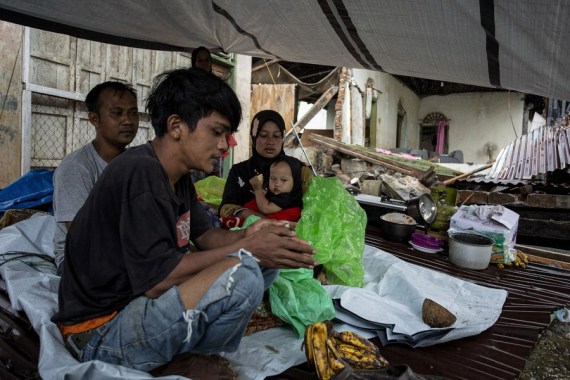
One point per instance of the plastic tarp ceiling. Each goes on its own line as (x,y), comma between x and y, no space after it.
(509,44)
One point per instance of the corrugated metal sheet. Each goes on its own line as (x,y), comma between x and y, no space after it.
(514,182)
(504,182)
(501,351)
(542,150)
(498,353)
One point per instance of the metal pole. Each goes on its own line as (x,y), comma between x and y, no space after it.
(303,149)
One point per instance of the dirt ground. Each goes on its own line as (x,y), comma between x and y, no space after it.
(550,358)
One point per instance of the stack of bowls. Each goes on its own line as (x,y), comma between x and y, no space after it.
(426,241)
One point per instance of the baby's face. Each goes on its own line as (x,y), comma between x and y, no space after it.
(280,178)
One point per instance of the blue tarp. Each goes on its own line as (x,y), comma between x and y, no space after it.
(33,189)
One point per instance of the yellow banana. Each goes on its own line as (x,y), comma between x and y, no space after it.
(308,345)
(359,358)
(523,258)
(329,352)
(334,362)
(320,355)
(353,339)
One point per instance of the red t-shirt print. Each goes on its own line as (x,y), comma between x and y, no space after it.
(183,229)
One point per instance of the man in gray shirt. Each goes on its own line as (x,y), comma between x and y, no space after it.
(113,111)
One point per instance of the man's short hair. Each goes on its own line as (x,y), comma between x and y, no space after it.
(92,98)
(192,94)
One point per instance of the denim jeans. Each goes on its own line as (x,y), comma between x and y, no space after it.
(150,332)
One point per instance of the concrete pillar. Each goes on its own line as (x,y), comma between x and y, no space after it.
(242,72)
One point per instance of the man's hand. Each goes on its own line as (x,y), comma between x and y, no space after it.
(265,223)
(275,245)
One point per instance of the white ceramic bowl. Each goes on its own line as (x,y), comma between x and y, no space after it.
(470,250)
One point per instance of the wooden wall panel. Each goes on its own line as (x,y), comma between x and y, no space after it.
(182,60)
(52,60)
(89,65)
(142,73)
(119,63)
(76,66)
(11,92)
(279,97)
(163,60)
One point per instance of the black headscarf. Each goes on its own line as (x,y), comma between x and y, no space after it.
(260,163)
(195,55)
(294,198)
(238,191)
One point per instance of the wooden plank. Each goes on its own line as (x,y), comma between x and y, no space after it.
(370,157)
(542,260)
(264,65)
(307,133)
(544,253)
(277,97)
(304,120)
(468,174)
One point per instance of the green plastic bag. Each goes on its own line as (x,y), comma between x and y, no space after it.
(210,189)
(333,222)
(299,300)
(296,297)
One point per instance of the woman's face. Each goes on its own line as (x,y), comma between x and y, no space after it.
(269,140)
(204,60)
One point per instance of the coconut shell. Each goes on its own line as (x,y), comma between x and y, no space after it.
(435,315)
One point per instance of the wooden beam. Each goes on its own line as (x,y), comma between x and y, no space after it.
(304,120)
(333,144)
(544,254)
(468,174)
(264,64)
(543,260)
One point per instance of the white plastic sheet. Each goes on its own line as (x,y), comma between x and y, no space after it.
(394,293)
(393,288)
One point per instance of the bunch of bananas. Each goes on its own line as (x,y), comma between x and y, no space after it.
(520,260)
(329,351)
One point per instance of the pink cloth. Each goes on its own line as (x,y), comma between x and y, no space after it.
(439,148)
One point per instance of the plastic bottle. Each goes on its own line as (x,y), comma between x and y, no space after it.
(563,315)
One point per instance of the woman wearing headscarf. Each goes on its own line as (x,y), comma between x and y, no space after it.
(202,58)
(267,133)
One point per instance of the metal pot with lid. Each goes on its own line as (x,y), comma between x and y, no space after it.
(397,227)
(470,250)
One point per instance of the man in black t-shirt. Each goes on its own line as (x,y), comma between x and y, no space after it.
(132,293)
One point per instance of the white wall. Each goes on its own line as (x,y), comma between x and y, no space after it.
(478,118)
(319,121)
(475,118)
(392,92)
